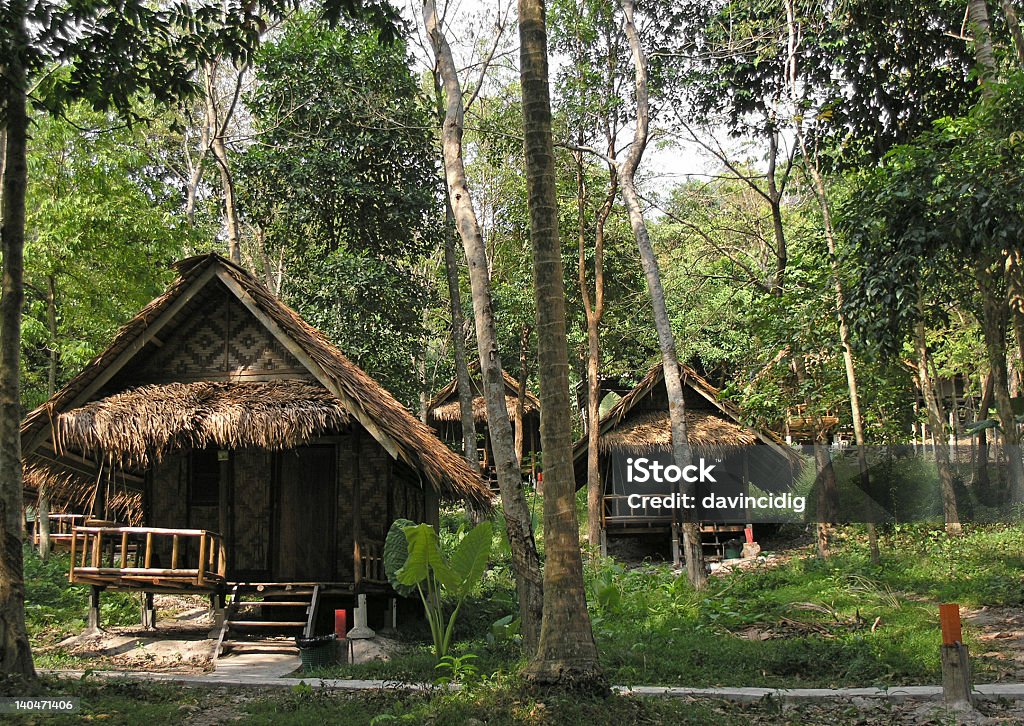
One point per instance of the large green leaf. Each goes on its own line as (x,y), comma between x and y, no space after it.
(396,552)
(425,556)
(469,560)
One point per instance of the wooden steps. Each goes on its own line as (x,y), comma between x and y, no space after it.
(288,612)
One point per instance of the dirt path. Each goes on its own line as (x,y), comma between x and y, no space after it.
(1000,635)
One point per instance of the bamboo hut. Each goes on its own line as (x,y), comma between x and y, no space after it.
(638,426)
(444,415)
(221,444)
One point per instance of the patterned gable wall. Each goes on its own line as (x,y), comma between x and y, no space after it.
(217,339)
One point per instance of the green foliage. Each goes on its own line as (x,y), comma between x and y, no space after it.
(102,228)
(55,610)
(950,196)
(435,575)
(457,669)
(396,552)
(343,185)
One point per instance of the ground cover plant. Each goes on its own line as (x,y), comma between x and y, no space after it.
(791,620)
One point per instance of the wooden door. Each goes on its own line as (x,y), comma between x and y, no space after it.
(306,521)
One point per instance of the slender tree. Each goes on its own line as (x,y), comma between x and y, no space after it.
(525,560)
(692,549)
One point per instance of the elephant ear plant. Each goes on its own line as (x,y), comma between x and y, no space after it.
(414,562)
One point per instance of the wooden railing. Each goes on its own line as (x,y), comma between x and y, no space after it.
(61,526)
(131,556)
(370,563)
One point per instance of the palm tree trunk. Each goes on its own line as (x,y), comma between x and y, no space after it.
(525,561)
(567,654)
(692,549)
(15,653)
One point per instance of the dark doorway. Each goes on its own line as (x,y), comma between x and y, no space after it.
(306,501)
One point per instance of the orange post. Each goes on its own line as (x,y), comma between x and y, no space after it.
(949,619)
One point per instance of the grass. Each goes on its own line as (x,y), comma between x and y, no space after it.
(652,628)
(497,704)
(841,622)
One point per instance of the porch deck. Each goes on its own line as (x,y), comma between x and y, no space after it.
(129,558)
(61,526)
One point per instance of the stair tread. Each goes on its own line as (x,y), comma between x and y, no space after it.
(269,623)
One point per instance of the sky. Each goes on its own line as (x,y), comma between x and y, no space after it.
(470,27)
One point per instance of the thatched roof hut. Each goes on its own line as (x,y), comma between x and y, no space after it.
(444,414)
(445,407)
(639,423)
(134,426)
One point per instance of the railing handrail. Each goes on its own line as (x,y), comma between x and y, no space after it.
(147,530)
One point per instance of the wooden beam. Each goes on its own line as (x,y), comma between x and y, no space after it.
(129,352)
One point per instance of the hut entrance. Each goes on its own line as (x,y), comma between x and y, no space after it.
(305,544)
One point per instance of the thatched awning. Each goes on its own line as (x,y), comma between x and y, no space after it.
(138,426)
(708,433)
(71,491)
(452,411)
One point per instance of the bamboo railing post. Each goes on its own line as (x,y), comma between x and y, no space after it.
(71,570)
(97,549)
(85,548)
(175,540)
(149,550)
(200,574)
(124,549)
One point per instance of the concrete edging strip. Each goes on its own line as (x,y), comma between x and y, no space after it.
(988,691)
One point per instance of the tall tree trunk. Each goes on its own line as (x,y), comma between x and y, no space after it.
(692,549)
(993,325)
(1013,25)
(525,561)
(462,380)
(15,653)
(593,308)
(937,420)
(567,654)
(844,339)
(218,145)
(811,165)
(983,52)
(981,480)
(775,204)
(43,503)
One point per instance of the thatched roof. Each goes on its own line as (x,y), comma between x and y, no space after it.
(714,430)
(391,424)
(72,491)
(708,433)
(139,426)
(445,405)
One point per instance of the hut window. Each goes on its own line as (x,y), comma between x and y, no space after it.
(205,489)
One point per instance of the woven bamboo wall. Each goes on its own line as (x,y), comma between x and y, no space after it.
(216,338)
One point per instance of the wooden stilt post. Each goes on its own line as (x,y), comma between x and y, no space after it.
(148,611)
(93,622)
(676,560)
(956,664)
